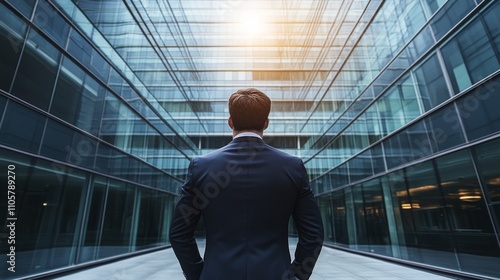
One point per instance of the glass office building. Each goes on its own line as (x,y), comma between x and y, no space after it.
(392,105)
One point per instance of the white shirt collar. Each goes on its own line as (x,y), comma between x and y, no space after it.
(247,134)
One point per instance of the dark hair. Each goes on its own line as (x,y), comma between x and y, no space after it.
(249,109)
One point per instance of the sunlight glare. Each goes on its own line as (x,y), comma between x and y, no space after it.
(252,23)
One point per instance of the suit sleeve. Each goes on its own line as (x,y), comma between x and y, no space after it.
(309,225)
(186,216)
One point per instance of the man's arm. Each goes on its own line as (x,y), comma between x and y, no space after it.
(182,229)
(309,225)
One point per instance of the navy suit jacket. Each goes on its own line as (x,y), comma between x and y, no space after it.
(246,193)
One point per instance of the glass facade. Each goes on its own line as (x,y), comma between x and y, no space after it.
(391,104)
(405,175)
(91,169)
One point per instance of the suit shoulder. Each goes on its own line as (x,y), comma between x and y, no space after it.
(284,155)
(209,156)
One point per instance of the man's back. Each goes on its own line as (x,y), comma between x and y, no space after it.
(246,193)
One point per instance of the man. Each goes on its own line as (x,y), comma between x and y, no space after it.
(246,193)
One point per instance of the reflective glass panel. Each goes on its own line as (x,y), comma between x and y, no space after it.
(378,159)
(325,206)
(451,13)
(361,235)
(48,205)
(479,110)
(419,140)
(21,128)
(118,220)
(488,160)
(488,156)
(3,100)
(492,22)
(434,237)
(24,6)
(12,33)
(82,151)
(118,123)
(361,166)
(466,209)
(88,56)
(406,242)
(57,142)
(37,71)
(376,218)
(51,22)
(470,57)
(398,150)
(93,224)
(445,130)
(434,4)
(431,83)
(340,218)
(391,111)
(78,98)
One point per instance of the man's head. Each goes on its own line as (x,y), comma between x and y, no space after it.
(249,110)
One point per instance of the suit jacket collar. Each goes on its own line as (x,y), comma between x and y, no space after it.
(248,133)
(250,139)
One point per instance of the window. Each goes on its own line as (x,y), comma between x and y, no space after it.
(3,100)
(50,21)
(444,129)
(463,195)
(432,226)
(434,5)
(118,123)
(83,151)
(451,13)
(150,228)
(37,71)
(398,106)
(466,210)
(361,166)
(93,224)
(492,22)
(24,6)
(420,44)
(48,202)
(398,149)
(339,218)
(21,128)
(78,98)
(57,142)
(378,159)
(339,176)
(361,235)
(11,43)
(469,57)
(88,56)
(373,123)
(402,207)
(479,110)
(118,220)
(376,219)
(488,158)
(325,206)
(431,83)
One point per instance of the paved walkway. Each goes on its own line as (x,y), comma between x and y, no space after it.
(332,265)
